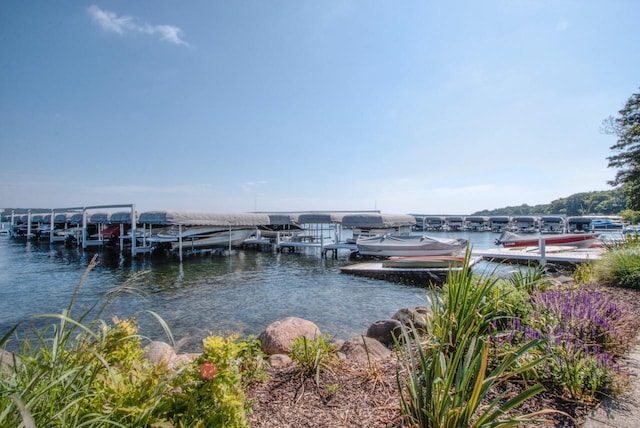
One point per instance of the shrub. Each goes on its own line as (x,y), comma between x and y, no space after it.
(210,391)
(584,330)
(313,356)
(445,381)
(620,267)
(84,371)
(509,302)
(584,272)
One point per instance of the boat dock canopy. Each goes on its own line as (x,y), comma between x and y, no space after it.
(99,218)
(320,218)
(378,220)
(120,217)
(196,218)
(282,219)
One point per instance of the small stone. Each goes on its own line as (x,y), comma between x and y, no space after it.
(279,360)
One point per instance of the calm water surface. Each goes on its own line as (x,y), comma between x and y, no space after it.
(240,293)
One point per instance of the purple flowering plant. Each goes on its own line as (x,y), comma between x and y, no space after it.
(583,331)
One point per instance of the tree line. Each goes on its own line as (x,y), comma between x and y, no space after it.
(606,202)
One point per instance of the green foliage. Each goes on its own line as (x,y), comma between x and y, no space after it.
(531,279)
(251,361)
(462,309)
(626,157)
(509,301)
(443,389)
(584,272)
(84,371)
(211,391)
(445,381)
(630,216)
(620,267)
(582,376)
(606,202)
(313,356)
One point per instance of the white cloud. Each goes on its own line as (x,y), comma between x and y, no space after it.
(109,21)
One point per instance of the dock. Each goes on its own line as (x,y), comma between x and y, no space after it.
(412,276)
(550,254)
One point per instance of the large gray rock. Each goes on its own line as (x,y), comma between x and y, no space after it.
(413,317)
(384,331)
(365,350)
(278,337)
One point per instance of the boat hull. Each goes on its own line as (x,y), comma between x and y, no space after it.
(578,240)
(233,238)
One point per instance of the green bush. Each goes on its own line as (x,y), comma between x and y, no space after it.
(210,390)
(445,381)
(620,267)
(313,356)
(84,371)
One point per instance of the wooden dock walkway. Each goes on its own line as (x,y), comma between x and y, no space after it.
(551,254)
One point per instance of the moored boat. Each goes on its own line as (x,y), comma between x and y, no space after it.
(578,240)
(201,237)
(409,245)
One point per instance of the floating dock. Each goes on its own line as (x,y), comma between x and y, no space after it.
(550,254)
(412,276)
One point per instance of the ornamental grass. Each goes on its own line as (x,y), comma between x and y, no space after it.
(85,372)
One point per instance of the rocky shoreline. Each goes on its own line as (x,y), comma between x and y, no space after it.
(278,337)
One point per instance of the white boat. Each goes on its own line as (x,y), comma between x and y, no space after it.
(201,237)
(409,245)
(173,234)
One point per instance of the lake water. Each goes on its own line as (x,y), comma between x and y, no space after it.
(241,293)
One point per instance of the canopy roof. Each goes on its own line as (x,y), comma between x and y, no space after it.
(552,218)
(378,220)
(76,218)
(96,218)
(283,219)
(121,217)
(321,218)
(477,218)
(196,218)
(582,220)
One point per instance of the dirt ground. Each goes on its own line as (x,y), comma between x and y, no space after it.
(367,396)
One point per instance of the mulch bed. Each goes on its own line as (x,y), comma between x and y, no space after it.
(352,395)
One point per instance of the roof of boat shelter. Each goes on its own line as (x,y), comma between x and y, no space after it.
(201,218)
(120,217)
(282,219)
(323,217)
(100,217)
(378,220)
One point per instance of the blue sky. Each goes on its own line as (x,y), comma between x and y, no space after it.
(228,106)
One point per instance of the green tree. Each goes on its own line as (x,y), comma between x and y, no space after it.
(626,157)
